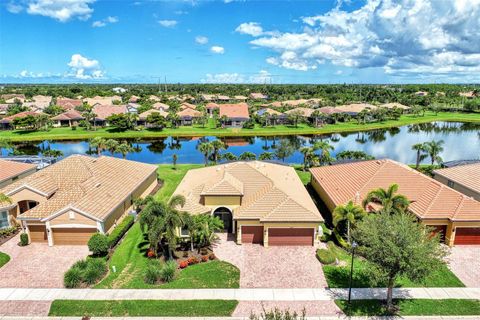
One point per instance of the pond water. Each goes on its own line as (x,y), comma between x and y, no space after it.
(462,141)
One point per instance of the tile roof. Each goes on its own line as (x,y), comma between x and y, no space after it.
(19,115)
(394,105)
(10,169)
(69,115)
(466,175)
(160,106)
(430,198)
(306,112)
(329,110)
(105,111)
(270,192)
(234,110)
(102,100)
(257,95)
(95,186)
(189,113)
(144,115)
(356,107)
(186,105)
(263,111)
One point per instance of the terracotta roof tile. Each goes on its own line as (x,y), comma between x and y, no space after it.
(10,169)
(465,175)
(234,110)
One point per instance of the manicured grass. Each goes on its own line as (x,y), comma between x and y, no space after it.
(4,258)
(417,307)
(339,276)
(143,308)
(303,175)
(130,258)
(69,134)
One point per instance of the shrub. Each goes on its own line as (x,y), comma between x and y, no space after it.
(185,254)
(212,256)
(7,231)
(98,244)
(74,127)
(204,258)
(72,278)
(192,260)
(168,271)
(183,264)
(80,264)
(326,256)
(203,251)
(94,271)
(24,239)
(152,273)
(120,230)
(150,253)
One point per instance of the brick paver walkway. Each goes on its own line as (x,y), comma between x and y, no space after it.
(464,261)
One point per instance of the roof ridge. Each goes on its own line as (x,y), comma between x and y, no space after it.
(383,164)
(437,194)
(459,205)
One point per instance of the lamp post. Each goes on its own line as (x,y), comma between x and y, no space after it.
(354,245)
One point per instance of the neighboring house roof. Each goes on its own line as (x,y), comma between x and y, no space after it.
(429,198)
(160,106)
(9,96)
(69,103)
(467,175)
(258,96)
(453,163)
(234,110)
(355,107)
(69,115)
(105,111)
(19,115)
(223,98)
(102,100)
(270,192)
(189,113)
(11,169)
(95,186)
(186,105)
(144,115)
(207,97)
(269,111)
(469,94)
(329,110)
(240,98)
(394,105)
(306,112)
(134,99)
(211,105)
(154,98)
(4,108)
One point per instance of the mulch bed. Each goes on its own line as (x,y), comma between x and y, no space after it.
(4,239)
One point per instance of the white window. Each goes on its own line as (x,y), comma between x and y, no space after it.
(71,215)
(4,219)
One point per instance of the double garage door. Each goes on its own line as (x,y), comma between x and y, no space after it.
(467,236)
(279,236)
(61,236)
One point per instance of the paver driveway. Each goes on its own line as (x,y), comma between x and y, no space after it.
(37,265)
(464,261)
(273,267)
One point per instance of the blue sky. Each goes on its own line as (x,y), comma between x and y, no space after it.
(372,41)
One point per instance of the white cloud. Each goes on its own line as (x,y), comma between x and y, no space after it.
(61,10)
(13,7)
(403,37)
(84,68)
(262,76)
(251,28)
(217,49)
(30,74)
(201,40)
(168,23)
(104,22)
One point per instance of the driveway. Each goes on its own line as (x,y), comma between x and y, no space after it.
(37,265)
(273,267)
(464,261)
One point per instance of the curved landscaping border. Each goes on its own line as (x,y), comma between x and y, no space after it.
(4,258)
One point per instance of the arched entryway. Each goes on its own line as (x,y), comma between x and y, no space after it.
(226,216)
(26,205)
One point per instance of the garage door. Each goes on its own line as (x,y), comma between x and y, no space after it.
(72,236)
(38,233)
(290,236)
(467,236)
(252,234)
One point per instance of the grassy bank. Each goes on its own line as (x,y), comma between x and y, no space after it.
(143,308)
(351,126)
(417,307)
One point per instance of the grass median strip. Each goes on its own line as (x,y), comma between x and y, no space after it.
(416,307)
(142,308)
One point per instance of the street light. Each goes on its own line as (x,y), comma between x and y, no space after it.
(354,245)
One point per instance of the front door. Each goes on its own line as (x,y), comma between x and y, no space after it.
(225,215)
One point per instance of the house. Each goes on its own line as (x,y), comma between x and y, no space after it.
(68,201)
(7,122)
(257,96)
(240,98)
(355,108)
(142,117)
(187,116)
(11,171)
(236,114)
(259,202)
(133,107)
(393,105)
(68,104)
(329,110)
(102,100)
(468,95)
(102,112)
(39,102)
(207,97)
(273,117)
(154,98)
(463,178)
(67,119)
(14,97)
(186,105)
(223,98)
(161,106)
(4,109)
(134,99)
(454,215)
(210,107)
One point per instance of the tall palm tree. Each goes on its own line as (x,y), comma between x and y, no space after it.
(98,143)
(388,199)
(308,156)
(349,213)
(434,148)
(217,146)
(111,145)
(124,148)
(325,147)
(265,156)
(5,198)
(420,148)
(206,149)
(247,155)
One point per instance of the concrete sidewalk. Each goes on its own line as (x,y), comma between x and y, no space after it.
(252,294)
(246,318)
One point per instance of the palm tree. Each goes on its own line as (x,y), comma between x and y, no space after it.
(390,202)
(206,149)
(98,143)
(217,146)
(325,147)
(308,156)
(111,145)
(5,198)
(265,156)
(247,155)
(229,156)
(124,148)
(419,148)
(434,148)
(52,153)
(205,226)
(349,213)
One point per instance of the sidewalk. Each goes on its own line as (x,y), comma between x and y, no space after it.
(253,294)
(245,318)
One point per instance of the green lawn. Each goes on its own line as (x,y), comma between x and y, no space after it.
(66,133)
(143,308)
(4,258)
(338,277)
(130,258)
(305,176)
(416,307)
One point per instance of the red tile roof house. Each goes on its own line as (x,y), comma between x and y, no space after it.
(102,112)
(7,122)
(67,119)
(68,104)
(188,116)
(237,114)
(454,215)
(257,96)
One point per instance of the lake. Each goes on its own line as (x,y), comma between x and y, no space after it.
(462,141)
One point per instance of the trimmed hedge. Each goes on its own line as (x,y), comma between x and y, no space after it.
(326,256)
(85,272)
(120,230)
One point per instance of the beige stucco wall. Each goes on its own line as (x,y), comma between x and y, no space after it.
(460,188)
(27,194)
(213,201)
(77,219)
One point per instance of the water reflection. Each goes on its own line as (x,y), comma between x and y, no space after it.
(462,141)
